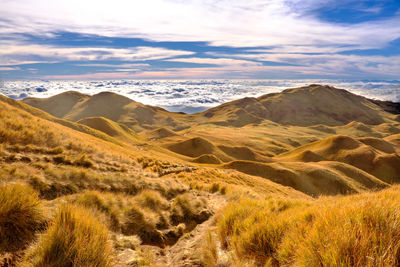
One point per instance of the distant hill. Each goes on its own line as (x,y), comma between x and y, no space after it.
(75,106)
(325,178)
(304,106)
(373,155)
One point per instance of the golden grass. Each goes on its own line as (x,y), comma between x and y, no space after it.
(76,238)
(21,215)
(359,230)
(185,208)
(110,128)
(236,184)
(322,178)
(147,215)
(142,195)
(152,199)
(373,155)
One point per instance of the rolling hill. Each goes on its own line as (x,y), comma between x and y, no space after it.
(168,189)
(373,155)
(305,106)
(108,105)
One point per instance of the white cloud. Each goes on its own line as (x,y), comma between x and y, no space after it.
(234,23)
(8,68)
(16,53)
(287,27)
(105,65)
(335,65)
(216,61)
(127,70)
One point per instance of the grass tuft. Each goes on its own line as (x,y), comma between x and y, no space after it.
(76,238)
(21,215)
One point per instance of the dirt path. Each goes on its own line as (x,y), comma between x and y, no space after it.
(181,253)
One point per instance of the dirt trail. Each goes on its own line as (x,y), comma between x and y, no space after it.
(180,254)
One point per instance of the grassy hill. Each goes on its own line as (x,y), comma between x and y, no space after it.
(305,106)
(373,155)
(300,178)
(108,105)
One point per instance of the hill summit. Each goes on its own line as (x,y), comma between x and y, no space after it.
(304,106)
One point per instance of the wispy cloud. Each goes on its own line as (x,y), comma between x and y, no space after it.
(238,23)
(8,68)
(216,61)
(134,65)
(8,53)
(285,32)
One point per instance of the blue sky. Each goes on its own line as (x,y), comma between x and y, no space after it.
(193,39)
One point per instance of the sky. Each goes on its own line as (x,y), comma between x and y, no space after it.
(199,39)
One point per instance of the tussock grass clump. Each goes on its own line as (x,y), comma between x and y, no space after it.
(21,215)
(185,208)
(76,238)
(208,251)
(152,199)
(360,230)
(143,223)
(104,203)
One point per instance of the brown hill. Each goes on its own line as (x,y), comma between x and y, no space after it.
(305,106)
(373,155)
(58,105)
(197,147)
(394,139)
(243,153)
(108,105)
(109,127)
(207,159)
(160,133)
(322,178)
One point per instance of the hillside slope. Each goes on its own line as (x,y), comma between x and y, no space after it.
(373,155)
(322,178)
(108,105)
(304,106)
(67,187)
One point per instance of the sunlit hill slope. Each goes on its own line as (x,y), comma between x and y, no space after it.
(305,177)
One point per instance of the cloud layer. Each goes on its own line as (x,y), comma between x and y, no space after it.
(199,39)
(192,95)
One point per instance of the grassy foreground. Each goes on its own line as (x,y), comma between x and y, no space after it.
(358,230)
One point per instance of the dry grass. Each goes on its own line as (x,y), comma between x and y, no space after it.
(148,215)
(185,208)
(142,196)
(21,215)
(152,199)
(360,230)
(208,252)
(76,238)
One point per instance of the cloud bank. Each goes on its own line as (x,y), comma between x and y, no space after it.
(200,39)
